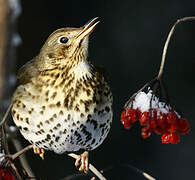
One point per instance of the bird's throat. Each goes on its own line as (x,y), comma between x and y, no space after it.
(82,70)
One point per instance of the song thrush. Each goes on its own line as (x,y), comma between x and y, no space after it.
(63,103)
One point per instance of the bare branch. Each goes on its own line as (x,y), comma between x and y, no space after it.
(146,175)
(158,77)
(91,167)
(6,114)
(167,42)
(22,158)
(76,175)
(16,171)
(19,153)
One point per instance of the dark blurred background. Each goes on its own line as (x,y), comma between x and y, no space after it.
(128,43)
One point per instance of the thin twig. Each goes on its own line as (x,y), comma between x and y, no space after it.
(7,150)
(2,127)
(146,175)
(167,42)
(91,167)
(163,57)
(133,168)
(139,171)
(19,153)
(6,114)
(74,176)
(17,174)
(141,89)
(22,158)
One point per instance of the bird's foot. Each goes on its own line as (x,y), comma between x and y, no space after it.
(83,162)
(39,151)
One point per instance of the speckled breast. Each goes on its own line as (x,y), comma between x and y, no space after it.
(63,114)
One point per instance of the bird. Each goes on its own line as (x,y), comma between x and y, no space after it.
(63,102)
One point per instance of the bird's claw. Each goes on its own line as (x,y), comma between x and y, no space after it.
(83,162)
(39,151)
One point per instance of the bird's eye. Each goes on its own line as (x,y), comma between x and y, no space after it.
(63,39)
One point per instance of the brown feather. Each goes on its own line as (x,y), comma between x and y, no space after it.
(27,72)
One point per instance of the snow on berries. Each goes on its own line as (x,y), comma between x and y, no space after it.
(154,116)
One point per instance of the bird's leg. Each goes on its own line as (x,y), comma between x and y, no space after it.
(39,151)
(83,162)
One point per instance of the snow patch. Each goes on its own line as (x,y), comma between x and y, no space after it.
(143,102)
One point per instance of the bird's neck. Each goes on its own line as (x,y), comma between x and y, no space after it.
(76,66)
(82,70)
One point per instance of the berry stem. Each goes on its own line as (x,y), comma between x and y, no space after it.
(167,43)
(164,90)
(155,88)
(126,106)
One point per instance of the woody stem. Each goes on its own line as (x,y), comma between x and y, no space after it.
(167,43)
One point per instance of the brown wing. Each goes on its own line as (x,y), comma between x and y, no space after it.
(27,71)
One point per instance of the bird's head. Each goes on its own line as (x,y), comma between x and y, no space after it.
(66,46)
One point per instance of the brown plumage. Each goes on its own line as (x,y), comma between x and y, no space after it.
(63,103)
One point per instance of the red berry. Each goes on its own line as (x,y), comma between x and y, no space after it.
(159,130)
(172,117)
(126,120)
(138,113)
(132,113)
(153,123)
(162,121)
(123,116)
(154,113)
(146,132)
(172,128)
(144,118)
(174,138)
(165,138)
(6,175)
(183,126)
(127,124)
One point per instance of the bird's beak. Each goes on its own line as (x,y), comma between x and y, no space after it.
(87,29)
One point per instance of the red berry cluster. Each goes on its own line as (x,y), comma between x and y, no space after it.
(5,174)
(168,124)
